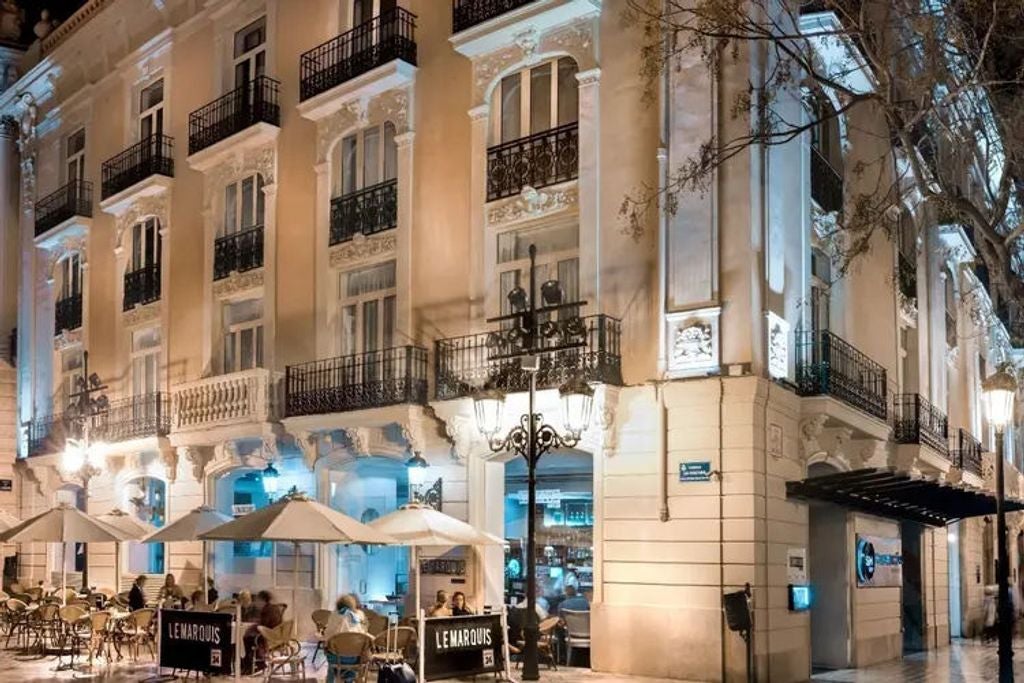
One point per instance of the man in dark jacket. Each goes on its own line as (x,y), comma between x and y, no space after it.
(136,597)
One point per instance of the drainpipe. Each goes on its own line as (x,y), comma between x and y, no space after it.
(659,391)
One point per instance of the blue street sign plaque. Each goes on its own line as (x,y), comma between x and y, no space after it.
(695,470)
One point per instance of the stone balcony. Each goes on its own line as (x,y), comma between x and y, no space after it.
(237,405)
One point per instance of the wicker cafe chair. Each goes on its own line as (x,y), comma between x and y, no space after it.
(44,627)
(351,645)
(17,615)
(281,650)
(402,646)
(75,631)
(137,630)
(320,617)
(577,631)
(545,644)
(376,623)
(99,635)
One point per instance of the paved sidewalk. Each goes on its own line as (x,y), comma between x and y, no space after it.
(965,661)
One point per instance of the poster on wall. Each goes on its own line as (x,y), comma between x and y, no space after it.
(879,561)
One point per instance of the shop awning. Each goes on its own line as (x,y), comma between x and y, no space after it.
(890,493)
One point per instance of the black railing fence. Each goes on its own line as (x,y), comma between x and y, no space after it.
(73,199)
(826,183)
(249,104)
(469,13)
(48,433)
(916,420)
(965,451)
(828,365)
(141,286)
(135,417)
(67,313)
(537,160)
(464,364)
(387,37)
(238,252)
(367,211)
(153,155)
(364,380)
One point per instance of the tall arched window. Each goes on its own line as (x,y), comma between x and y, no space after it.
(68,307)
(145,499)
(364,183)
(142,278)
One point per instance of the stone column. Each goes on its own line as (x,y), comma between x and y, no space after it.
(269,273)
(406,236)
(480,267)
(589,192)
(325,332)
(9,242)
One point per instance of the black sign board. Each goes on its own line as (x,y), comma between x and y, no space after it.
(462,646)
(196,641)
(443,566)
(6,484)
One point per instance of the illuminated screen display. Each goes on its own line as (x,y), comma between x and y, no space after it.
(799,598)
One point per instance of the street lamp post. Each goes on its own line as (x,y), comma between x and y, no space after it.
(999,391)
(535,330)
(82,456)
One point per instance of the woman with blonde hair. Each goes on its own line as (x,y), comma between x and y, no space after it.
(347,618)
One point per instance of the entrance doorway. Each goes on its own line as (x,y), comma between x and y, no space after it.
(913,597)
(829,570)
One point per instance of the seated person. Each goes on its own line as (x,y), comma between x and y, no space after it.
(541,606)
(459,606)
(211,592)
(574,601)
(347,618)
(269,616)
(136,596)
(170,592)
(250,610)
(441,607)
(195,602)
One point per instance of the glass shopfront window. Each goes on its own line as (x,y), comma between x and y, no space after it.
(565,526)
(145,499)
(366,489)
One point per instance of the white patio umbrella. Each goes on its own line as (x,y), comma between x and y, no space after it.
(133,529)
(190,527)
(418,525)
(63,524)
(298,519)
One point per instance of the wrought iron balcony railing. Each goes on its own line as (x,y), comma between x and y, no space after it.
(153,155)
(249,104)
(135,417)
(826,183)
(965,451)
(67,313)
(368,211)
(538,160)
(238,252)
(371,44)
(916,420)
(464,364)
(141,286)
(906,275)
(828,365)
(238,397)
(469,13)
(48,433)
(365,380)
(73,199)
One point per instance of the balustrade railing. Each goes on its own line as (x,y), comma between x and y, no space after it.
(464,364)
(67,313)
(238,252)
(364,380)
(537,160)
(141,286)
(135,417)
(238,397)
(251,103)
(826,183)
(153,155)
(73,199)
(469,13)
(371,44)
(917,420)
(965,451)
(367,211)
(828,365)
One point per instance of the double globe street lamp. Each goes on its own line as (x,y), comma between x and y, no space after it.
(530,332)
(998,392)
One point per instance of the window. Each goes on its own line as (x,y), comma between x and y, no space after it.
(557,259)
(151,110)
(250,54)
(75,156)
(365,159)
(821,283)
(368,309)
(70,372)
(243,335)
(69,277)
(145,500)
(146,244)
(825,134)
(145,367)
(535,100)
(951,311)
(243,205)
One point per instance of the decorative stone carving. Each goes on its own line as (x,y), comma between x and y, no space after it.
(238,282)
(155,206)
(66,339)
(775,441)
(261,160)
(527,42)
(461,432)
(27,123)
(692,341)
(952,354)
(907,307)
(308,444)
(393,105)
(872,453)
(778,346)
(413,435)
(169,458)
(532,203)
(358,440)
(692,344)
(198,458)
(360,248)
(140,315)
